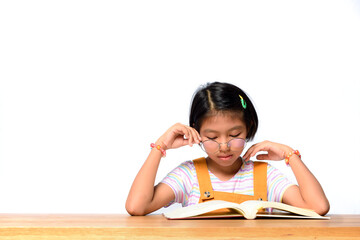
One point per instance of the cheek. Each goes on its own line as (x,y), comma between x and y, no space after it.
(237,147)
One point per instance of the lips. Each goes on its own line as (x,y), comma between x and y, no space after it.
(225,157)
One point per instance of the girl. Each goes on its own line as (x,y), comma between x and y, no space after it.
(222,120)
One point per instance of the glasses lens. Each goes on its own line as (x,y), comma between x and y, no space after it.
(236,144)
(210,146)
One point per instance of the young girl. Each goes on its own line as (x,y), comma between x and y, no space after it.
(222,120)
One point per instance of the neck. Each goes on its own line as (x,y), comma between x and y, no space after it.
(224,173)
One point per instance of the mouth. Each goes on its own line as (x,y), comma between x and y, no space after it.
(225,157)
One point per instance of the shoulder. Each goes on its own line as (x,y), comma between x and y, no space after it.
(185,168)
(249,167)
(273,174)
(273,170)
(189,165)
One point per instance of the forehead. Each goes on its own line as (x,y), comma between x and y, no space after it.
(222,123)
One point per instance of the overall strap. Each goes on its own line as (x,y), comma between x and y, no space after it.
(207,192)
(202,173)
(260,181)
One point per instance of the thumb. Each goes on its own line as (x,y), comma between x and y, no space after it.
(262,157)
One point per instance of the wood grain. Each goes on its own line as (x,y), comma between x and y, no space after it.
(117,226)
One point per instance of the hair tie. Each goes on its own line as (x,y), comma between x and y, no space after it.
(243,103)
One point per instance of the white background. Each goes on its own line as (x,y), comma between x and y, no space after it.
(86,86)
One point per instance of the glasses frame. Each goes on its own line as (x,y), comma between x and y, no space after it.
(219,144)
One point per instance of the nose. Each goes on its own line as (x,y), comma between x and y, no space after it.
(224,147)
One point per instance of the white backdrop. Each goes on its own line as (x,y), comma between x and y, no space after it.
(86,86)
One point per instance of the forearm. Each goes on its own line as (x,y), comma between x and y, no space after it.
(310,189)
(142,190)
(143,196)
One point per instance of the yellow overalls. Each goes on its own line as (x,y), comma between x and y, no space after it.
(207,193)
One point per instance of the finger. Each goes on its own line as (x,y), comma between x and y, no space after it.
(195,135)
(191,137)
(199,137)
(178,132)
(263,157)
(182,131)
(185,142)
(249,152)
(188,136)
(253,150)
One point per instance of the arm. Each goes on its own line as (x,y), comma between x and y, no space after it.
(309,193)
(143,197)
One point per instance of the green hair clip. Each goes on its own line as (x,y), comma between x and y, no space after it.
(243,103)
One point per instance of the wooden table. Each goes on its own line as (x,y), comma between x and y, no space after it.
(117,226)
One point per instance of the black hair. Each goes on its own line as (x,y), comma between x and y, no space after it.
(213,98)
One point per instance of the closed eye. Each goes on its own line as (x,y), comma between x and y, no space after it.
(234,136)
(211,138)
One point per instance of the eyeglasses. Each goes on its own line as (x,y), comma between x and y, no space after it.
(212,146)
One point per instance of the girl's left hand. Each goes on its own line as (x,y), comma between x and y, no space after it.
(275,151)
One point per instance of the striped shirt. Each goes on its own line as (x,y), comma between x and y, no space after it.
(183,181)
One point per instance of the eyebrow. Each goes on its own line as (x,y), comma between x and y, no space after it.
(231,129)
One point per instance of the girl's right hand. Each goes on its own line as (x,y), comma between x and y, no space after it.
(178,135)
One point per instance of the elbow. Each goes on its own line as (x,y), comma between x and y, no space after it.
(134,210)
(322,209)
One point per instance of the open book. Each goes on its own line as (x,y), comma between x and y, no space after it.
(248,209)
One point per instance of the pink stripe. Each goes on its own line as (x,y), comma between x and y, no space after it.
(186,177)
(278,189)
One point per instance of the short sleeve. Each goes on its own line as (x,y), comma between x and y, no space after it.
(180,181)
(277,184)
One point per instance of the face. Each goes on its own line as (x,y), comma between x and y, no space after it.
(222,128)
